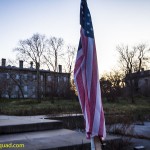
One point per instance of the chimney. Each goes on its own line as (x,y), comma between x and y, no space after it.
(20,64)
(31,64)
(60,68)
(3,62)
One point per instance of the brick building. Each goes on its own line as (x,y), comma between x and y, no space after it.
(20,82)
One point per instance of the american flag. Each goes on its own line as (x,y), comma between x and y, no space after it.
(86,77)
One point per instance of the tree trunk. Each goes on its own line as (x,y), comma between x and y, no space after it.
(131,89)
(38,83)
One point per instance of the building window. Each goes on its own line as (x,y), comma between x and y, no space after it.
(34,76)
(17,76)
(25,76)
(25,88)
(65,79)
(17,88)
(25,96)
(49,78)
(42,89)
(41,77)
(33,89)
(7,76)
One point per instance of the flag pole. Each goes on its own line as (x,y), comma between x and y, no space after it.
(96,143)
(92,143)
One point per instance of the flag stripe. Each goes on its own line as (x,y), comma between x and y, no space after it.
(89,65)
(96,120)
(94,89)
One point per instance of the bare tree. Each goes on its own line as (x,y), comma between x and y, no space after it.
(132,61)
(127,60)
(70,58)
(32,49)
(54,53)
(142,56)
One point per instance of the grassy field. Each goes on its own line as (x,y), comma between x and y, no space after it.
(123,106)
(125,111)
(32,107)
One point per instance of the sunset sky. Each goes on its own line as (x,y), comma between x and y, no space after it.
(115,22)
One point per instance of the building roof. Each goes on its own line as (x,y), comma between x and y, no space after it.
(141,74)
(14,68)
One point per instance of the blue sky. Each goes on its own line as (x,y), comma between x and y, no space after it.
(115,22)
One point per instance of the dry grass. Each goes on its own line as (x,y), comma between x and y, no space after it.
(138,111)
